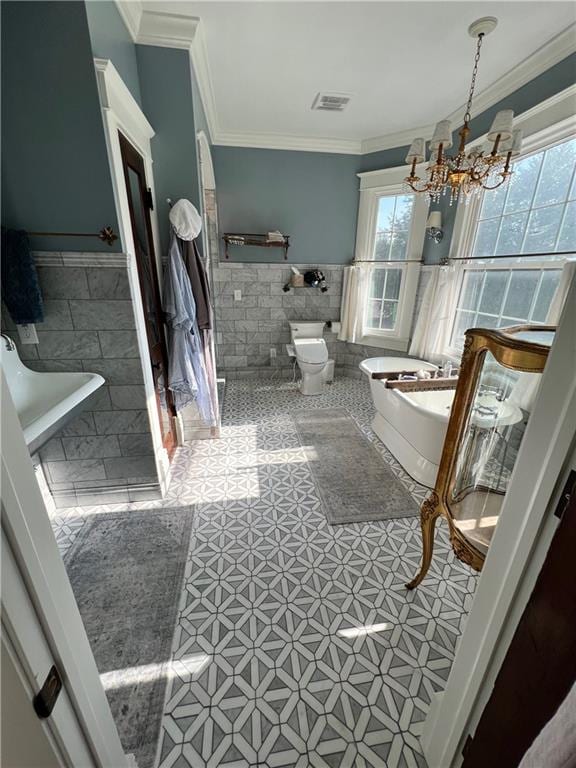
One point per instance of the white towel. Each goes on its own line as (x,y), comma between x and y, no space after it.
(185,219)
(555,745)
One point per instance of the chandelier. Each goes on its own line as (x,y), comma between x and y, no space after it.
(466,173)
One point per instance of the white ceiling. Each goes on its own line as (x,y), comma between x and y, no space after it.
(405,64)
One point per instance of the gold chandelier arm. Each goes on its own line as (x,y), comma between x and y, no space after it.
(493,186)
(411,183)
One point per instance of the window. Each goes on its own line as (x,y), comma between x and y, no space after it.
(534,213)
(496,298)
(391,228)
(393,221)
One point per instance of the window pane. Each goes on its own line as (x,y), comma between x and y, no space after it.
(506,322)
(377,283)
(471,288)
(523,284)
(523,183)
(399,243)
(389,309)
(493,202)
(382,246)
(392,290)
(572,194)
(392,227)
(403,214)
(493,293)
(385,218)
(384,291)
(511,234)
(464,320)
(543,229)
(567,239)
(548,285)
(486,238)
(373,317)
(487,321)
(556,174)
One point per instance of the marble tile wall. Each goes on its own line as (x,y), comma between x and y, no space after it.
(89,326)
(249,328)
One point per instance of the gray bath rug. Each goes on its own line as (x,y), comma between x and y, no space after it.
(353,480)
(126,571)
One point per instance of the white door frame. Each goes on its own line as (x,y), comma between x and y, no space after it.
(523,534)
(120,112)
(40,617)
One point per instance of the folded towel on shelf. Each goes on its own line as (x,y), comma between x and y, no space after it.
(20,288)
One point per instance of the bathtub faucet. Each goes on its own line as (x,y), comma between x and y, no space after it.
(10,346)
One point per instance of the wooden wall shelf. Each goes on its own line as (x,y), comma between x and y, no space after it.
(240,239)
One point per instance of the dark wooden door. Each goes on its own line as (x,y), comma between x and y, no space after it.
(540,665)
(139,202)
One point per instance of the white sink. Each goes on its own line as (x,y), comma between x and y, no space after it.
(45,402)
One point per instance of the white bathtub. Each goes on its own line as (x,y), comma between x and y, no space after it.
(412,425)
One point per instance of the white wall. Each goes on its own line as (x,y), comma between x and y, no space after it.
(24,740)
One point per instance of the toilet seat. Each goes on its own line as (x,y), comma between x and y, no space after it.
(312,351)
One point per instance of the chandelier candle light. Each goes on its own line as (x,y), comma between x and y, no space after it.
(466,173)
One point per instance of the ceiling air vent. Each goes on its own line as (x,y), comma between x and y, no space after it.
(330,102)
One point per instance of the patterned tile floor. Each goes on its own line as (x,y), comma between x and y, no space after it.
(297,643)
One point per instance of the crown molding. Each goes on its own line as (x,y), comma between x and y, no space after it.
(396,139)
(539,61)
(167,30)
(174,30)
(171,30)
(287,142)
(131,13)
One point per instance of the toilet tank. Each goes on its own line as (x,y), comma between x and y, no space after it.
(307,330)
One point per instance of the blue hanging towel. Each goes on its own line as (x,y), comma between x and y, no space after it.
(187,375)
(20,288)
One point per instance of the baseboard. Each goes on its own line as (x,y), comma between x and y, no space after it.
(119,493)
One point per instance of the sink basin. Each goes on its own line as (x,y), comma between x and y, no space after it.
(45,402)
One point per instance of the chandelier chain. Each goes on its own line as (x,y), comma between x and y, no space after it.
(467,115)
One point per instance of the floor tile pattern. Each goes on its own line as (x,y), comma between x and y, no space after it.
(297,643)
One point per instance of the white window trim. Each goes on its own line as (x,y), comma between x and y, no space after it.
(373,186)
(545,125)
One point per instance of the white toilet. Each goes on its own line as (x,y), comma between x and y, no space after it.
(311,355)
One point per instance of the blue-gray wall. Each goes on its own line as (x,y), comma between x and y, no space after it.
(314,196)
(111,40)
(55,172)
(166,88)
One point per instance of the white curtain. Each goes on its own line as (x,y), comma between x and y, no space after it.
(352,307)
(434,322)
